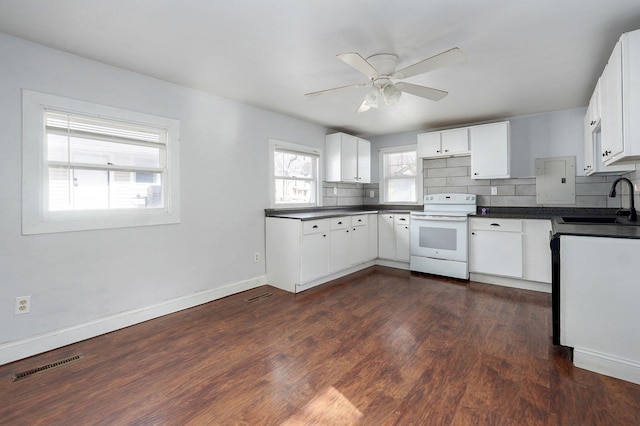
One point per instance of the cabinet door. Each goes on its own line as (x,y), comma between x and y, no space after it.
(402,241)
(455,141)
(386,237)
(359,244)
(495,253)
(315,256)
(588,144)
(490,151)
(611,123)
(536,253)
(364,161)
(373,237)
(349,154)
(429,145)
(339,243)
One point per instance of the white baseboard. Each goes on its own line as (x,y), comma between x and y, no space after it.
(606,364)
(19,349)
(511,282)
(334,276)
(393,264)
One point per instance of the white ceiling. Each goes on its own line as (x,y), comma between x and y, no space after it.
(523,56)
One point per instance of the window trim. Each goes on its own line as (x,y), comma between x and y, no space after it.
(36,220)
(273,144)
(382,180)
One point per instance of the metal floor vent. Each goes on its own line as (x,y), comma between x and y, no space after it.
(46,367)
(258,297)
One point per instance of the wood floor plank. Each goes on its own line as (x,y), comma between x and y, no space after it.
(381,347)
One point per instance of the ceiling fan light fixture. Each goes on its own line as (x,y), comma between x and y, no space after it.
(372,97)
(391,94)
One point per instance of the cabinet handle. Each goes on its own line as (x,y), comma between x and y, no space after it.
(359,220)
(495,224)
(446,150)
(402,218)
(438,151)
(340,223)
(315,226)
(473,233)
(475,174)
(324,235)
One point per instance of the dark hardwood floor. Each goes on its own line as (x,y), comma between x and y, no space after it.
(383,347)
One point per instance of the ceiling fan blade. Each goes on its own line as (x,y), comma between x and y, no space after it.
(449,57)
(359,63)
(422,91)
(335,89)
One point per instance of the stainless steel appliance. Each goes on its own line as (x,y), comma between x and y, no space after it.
(439,238)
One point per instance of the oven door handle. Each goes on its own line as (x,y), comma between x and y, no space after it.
(439,218)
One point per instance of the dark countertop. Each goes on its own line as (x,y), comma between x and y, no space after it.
(541,212)
(328,212)
(595,230)
(548,213)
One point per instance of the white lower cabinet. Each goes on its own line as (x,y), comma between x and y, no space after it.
(339,244)
(511,252)
(302,254)
(359,240)
(495,247)
(401,225)
(536,252)
(599,295)
(393,236)
(314,261)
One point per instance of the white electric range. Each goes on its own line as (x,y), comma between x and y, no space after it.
(439,237)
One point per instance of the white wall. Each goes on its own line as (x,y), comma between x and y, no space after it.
(79,280)
(549,134)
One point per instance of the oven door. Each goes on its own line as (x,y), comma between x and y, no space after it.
(439,237)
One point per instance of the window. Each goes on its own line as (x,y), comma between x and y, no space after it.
(295,175)
(88,166)
(401,176)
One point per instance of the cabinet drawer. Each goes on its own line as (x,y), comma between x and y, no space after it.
(359,220)
(402,219)
(340,222)
(498,225)
(314,226)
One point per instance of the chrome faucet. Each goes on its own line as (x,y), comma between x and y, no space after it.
(633,217)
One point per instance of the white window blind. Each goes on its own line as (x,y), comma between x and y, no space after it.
(90,166)
(93,163)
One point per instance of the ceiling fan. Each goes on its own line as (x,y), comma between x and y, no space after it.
(381,71)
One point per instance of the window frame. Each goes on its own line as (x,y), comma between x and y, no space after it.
(383,180)
(37,219)
(303,149)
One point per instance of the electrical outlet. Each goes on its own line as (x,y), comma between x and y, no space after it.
(335,190)
(23,305)
(494,190)
(256,257)
(371,194)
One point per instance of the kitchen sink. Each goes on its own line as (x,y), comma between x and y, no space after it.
(589,220)
(596,220)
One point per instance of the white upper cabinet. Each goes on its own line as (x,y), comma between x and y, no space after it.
(443,144)
(593,158)
(490,151)
(348,159)
(620,102)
